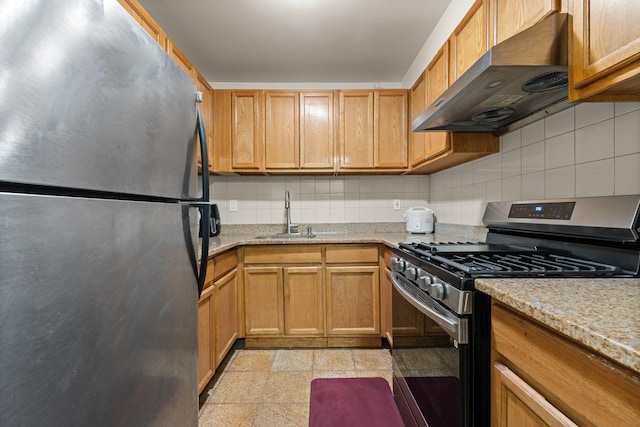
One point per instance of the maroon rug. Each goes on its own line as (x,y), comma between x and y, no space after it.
(352,402)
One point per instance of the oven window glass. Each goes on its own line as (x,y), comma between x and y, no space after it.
(429,367)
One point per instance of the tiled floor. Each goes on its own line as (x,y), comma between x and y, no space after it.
(271,387)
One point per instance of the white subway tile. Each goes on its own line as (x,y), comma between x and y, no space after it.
(479,170)
(511,141)
(352,184)
(533,185)
(589,113)
(627,133)
(560,182)
(595,178)
(466,174)
(533,157)
(410,184)
(533,133)
(323,185)
(559,151)
(594,142)
(494,167)
(512,188)
(559,123)
(456,177)
(511,163)
(627,174)
(494,191)
(308,185)
(336,185)
(626,107)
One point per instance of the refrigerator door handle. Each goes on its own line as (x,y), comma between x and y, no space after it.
(203,205)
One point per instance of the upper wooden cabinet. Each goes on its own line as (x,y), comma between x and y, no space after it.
(390,137)
(237,131)
(470,40)
(512,16)
(317,132)
(281,130)
(181,59)
(145,20)
(356,130)
(299,131)
(604,46)
(373,130)
(418,141)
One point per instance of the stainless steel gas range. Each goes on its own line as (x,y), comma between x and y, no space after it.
(441,325)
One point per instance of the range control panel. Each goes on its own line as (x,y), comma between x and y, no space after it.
(561,210)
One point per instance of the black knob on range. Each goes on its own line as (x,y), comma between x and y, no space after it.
(436,291)
(411,273)
(424,282)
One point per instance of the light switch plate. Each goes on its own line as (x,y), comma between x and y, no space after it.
(233,206)
(396,204)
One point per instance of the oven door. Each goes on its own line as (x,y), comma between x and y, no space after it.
(431,359)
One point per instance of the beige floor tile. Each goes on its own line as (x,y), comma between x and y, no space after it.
(333,360)
(252,361)
(240,387)
(335,374)
(228,415)
(293,360)
(282,415)
(372,359)
(287,387)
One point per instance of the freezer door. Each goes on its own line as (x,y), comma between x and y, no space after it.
(89,101)
(98,307)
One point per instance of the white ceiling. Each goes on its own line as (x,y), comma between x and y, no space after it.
(324,41)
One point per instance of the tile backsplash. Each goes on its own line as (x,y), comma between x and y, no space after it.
(317,199)
(591,149)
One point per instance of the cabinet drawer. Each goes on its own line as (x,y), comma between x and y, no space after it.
(224,263)
(351,254)
(289,254)
(586,387)
(387,254)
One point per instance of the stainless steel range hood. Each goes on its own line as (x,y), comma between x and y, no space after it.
(518,81)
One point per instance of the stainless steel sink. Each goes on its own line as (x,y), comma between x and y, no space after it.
(275,236)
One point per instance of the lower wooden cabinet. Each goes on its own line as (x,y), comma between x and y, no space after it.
(206,355)
(353,300)
(217,315)
(542,378)
(283,294)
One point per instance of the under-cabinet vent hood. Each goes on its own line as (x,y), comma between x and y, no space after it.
(518,81)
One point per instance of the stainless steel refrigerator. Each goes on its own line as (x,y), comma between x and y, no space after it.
(99,200)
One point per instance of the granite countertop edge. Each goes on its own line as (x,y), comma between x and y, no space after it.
(602,314)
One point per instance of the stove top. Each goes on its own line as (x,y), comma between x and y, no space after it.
(479,259)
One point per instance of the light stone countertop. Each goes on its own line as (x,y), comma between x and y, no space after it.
(602,314)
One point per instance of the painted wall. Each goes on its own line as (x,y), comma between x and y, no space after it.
(592,149)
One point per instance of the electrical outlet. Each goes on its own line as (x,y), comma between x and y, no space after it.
(233,206)
(396,205)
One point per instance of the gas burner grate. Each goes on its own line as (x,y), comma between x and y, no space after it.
(523,264)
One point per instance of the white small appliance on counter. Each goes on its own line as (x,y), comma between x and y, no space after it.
(419,220)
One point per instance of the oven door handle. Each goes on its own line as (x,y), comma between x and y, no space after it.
(456,327)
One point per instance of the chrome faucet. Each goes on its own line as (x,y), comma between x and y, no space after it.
(287,208)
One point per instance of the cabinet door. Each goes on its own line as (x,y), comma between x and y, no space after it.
(281,135)
(512,16)
(353,300)
(145,20)
(516,403)
(605,49)
(303,301)
(407,320)
(390,132)
(418,141)
(317,140)
(386,312)
(437,79)
(263,301)
(356,130)
(246,133)
(206,356)
(469,41)
(225,314)
(206,110)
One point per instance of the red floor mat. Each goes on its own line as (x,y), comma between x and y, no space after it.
(352,402)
